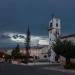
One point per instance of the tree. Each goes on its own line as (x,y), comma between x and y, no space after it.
(7,57)
(27,45)
(65,48)
(15,52)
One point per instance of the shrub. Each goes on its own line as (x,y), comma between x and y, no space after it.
(69,66)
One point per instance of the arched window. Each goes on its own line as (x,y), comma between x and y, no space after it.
(56,24)
(50,24)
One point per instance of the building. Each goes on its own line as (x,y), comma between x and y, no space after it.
(70,37)
(41,53)
(54,30)
(34,52)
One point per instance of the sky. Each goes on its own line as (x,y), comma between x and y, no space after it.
(15,15)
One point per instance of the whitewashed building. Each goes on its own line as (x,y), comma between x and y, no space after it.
(54,30)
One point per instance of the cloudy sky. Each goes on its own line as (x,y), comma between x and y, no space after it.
(15,15)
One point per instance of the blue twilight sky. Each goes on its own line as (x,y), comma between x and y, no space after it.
(15,15)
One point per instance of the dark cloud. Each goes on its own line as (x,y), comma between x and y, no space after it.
(15,15)
(9,39)
(18,36)
(4,37)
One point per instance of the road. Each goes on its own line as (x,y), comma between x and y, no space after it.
(10,69)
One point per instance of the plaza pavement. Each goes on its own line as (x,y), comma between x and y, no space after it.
(50,66)
(60,69)
(35,69)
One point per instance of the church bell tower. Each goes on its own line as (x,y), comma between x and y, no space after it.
(54,30)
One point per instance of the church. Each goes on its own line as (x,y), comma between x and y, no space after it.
(54,30)
(45,52)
